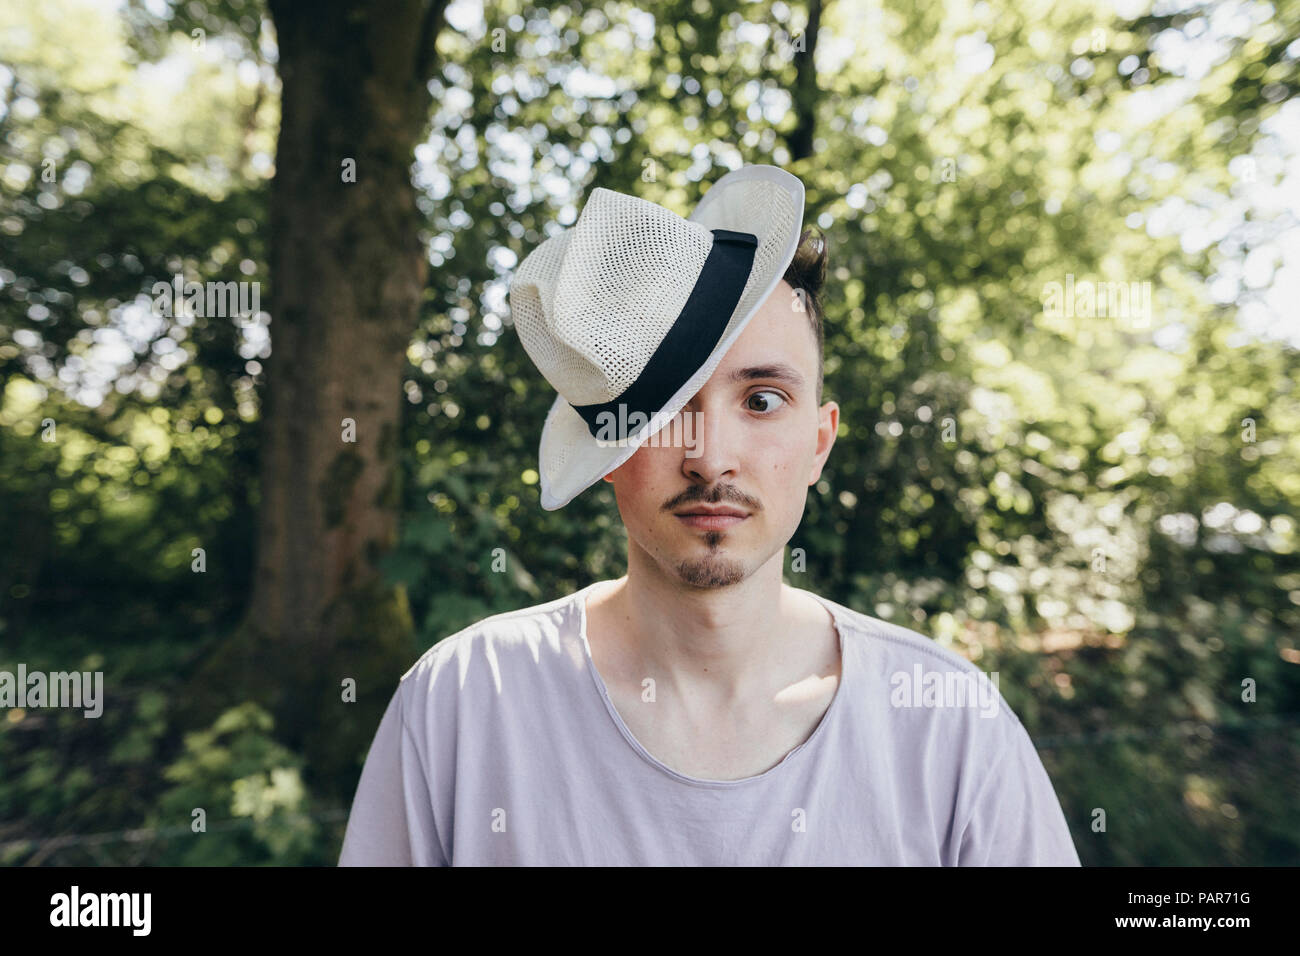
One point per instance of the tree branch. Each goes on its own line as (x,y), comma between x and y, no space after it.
(430,27)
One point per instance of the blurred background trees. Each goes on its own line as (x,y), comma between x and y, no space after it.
(1102,508)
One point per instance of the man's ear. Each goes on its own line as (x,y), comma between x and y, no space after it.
(828,426)
(609,477)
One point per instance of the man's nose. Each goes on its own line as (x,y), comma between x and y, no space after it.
(715,454)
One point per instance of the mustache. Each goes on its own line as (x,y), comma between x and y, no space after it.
(712,496)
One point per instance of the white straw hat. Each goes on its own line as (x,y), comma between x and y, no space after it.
(629,312)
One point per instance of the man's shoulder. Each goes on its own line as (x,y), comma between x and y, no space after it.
(895,641)
(498,636)
(910,669)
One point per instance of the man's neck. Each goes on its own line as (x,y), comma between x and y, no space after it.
(718,646)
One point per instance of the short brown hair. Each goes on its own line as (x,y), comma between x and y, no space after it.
(806,274)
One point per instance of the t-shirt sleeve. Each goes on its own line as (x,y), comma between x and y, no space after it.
(392,821)
(1016,818)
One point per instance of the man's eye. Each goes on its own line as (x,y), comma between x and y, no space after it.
(766,399)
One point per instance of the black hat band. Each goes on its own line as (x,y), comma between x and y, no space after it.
(693,335)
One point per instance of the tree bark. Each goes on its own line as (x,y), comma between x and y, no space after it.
(805,93)
(347,275)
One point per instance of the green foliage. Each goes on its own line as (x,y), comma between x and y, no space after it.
(252,793)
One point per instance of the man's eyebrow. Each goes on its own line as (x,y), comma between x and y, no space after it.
(778,371)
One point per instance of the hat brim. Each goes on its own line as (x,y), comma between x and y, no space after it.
(570,458)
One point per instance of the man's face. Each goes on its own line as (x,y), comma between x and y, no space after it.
(760,441)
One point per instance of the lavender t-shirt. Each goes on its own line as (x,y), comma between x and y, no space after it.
(501,746)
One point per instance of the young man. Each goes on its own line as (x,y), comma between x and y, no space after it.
(696,711)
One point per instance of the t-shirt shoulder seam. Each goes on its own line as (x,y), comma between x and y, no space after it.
(419,757)
(989,776)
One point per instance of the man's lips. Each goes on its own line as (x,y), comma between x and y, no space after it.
(710,519)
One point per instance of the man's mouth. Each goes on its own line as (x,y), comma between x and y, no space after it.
(711,518)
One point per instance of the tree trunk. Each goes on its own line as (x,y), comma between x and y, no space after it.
(347,274)
(805,94)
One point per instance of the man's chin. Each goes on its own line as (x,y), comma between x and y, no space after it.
(714,571)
